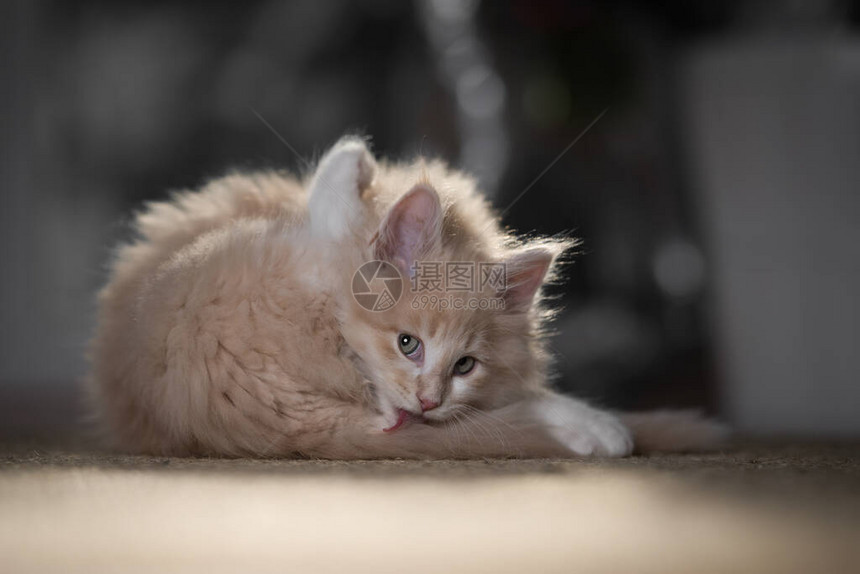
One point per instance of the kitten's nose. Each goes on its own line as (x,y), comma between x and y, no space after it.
(426,404)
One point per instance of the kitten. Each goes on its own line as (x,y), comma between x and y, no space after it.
(237,324)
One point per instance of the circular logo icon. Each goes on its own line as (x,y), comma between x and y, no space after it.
(377,286)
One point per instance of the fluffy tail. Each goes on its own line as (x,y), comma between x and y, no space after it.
(674,431)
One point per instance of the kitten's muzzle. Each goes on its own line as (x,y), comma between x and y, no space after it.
(427,404)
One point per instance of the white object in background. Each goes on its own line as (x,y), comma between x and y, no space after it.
(775,137)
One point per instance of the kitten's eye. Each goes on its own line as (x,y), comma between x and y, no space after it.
(409,345)
(464,366)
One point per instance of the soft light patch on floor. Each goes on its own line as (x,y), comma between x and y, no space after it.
(97,520)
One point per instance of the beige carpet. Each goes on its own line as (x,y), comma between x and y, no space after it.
(757,508)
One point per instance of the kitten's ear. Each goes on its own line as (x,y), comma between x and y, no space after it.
(525,272)
(410,228)
(347,167)
(343,173)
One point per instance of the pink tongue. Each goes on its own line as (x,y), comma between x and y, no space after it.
(401,418)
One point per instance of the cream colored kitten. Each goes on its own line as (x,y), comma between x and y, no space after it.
(232,326)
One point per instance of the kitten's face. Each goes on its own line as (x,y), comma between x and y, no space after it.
(441,363)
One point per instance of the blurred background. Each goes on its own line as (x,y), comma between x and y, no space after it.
(708,153)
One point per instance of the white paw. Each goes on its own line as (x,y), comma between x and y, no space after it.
(335,191)
(584,430)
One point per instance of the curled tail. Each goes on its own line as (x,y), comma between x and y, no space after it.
(674,431)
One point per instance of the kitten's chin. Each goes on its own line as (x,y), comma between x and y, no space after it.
(438,416)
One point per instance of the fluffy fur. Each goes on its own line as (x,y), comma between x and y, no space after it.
(229,327)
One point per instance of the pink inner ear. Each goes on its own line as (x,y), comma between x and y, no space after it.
(525,275)
(409,228)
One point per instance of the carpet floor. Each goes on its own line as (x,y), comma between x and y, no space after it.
(754,508)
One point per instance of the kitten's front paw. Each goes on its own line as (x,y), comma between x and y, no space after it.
(584,430)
